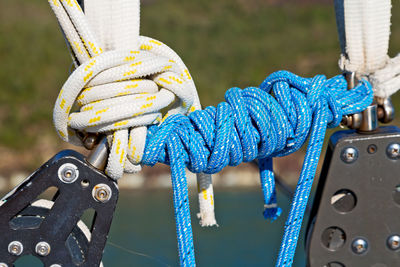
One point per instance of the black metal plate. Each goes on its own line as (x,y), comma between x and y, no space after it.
(372,178)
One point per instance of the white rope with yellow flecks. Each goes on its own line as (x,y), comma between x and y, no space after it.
(120,85)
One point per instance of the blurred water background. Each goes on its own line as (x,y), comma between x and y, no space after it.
(224,43)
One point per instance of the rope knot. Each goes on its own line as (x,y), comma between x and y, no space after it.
(121,89)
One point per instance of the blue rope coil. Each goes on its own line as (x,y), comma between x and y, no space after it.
(273,120)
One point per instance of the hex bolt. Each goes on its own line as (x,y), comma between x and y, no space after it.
(393,242)
(42,248)
(2,264)
(102,193)
(349,154)
(68,173)
(359,246)
(393,150)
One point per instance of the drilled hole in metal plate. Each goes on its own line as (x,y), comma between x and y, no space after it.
(396,194)
(334,264)
(333,238)
(85,183)
(344,200)
(372,149)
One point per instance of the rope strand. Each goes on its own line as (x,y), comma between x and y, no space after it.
(253,124)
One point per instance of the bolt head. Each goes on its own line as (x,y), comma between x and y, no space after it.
(68,173)
(359,246)
(42,248)
(393,242)
(2,264)
(15,248)
(102,193)
(55,265)
(393,151)
(349,154)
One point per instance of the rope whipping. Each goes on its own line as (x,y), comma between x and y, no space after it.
(255,123)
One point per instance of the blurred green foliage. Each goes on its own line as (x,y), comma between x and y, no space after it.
(224,43)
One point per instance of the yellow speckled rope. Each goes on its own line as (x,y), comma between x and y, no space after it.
(120,91)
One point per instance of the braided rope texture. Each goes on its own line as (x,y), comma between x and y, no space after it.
(254,124)
(120,86)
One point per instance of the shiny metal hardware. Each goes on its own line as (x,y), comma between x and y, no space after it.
(42,249)
(359,246)
(385,110)
(352,121)
(15,248)
(393,150)
(2,264)
(393,242)
(349,154)
(98,156)
(102,193)
(351,79)
(68,173)
(369,120)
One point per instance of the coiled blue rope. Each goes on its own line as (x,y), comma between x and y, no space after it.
(255,123)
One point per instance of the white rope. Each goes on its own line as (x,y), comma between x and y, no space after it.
(121,83)
(364,31)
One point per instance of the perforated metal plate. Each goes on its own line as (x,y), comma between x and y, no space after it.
(357,200)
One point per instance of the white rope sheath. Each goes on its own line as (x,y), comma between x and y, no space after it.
(364,31)
(121,83)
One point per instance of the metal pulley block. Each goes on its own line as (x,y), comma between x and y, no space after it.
(52,230)
(354,219)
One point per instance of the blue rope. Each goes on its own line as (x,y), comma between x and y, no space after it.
(273,120)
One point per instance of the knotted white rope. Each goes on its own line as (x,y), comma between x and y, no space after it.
(364,31)
(121,84)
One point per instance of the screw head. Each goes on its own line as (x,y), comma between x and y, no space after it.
(42,248)
(55,265)
(393,151)
(15,248)
(359,246)
(68,173)
(349,154)
(393,242)
(2,264)
(102,193)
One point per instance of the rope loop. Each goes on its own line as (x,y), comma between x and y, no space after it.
(254,123)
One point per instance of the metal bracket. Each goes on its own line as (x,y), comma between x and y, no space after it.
(54,233)
(354,219)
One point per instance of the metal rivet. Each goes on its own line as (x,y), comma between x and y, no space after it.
(393,151)
(349,154)
(55,265)
(102,193)
(43,248)
(2,264)
(359,246)
(68,173)
(393,242)
(15,248)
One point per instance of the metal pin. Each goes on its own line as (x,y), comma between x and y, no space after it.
(43,248)
(15,248)
(68,173)
(98,156)
(102,193)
